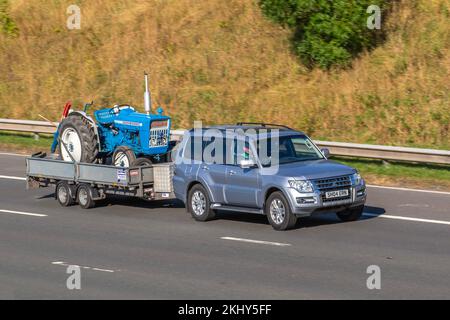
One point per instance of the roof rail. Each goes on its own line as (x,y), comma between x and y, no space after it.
(262,124)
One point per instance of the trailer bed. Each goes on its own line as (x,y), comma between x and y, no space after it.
(150,182)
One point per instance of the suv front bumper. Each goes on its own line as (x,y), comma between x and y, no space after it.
(306,204)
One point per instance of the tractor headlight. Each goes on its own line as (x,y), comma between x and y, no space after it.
(164,141)
(356,179)
(153,142)
(302,186)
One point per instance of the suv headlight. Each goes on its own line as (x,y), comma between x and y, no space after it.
(302,186)
(356,178)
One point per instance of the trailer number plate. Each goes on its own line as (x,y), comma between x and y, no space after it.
(165,195)
(336,194)
(121,175)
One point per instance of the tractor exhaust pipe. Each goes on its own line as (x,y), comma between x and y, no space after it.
(147,100)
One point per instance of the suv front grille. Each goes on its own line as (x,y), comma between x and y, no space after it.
(330,184)
(333,183)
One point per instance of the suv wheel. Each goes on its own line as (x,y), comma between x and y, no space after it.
(199,205)
(352,214)
(279,212)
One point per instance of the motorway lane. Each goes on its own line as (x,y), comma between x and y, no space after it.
(157,251)
(12,165)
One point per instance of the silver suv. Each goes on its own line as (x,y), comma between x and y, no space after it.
(263,169)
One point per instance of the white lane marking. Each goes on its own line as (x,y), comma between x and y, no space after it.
(414,205)
(12,178)
(407,218)
(104,270)
(13,154)
(257,241)
(65,264)
(407,189)
(24,213)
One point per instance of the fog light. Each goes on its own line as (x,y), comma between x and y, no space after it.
(306,200)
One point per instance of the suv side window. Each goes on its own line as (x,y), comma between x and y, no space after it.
(237,150)
(212,150)
(190,152)
(187,149)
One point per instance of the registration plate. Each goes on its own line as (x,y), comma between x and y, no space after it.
(336,194)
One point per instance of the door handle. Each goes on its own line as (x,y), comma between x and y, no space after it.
(232,172)
(205,167)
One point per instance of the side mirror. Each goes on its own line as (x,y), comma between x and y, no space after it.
(249,163)
(326,152)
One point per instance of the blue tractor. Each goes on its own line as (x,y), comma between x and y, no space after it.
(117,135)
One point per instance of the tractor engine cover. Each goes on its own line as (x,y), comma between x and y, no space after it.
(145,134)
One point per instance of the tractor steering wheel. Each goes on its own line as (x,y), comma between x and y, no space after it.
(117,107)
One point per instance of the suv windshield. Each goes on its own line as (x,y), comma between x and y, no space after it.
(290,149)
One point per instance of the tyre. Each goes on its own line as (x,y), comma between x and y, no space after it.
(279,212)
(123,157)
(198,204)
(352,214)
(142,162)
(84,196)
(63,194)
(78,135)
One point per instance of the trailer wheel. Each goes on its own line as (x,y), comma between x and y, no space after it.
(63,194)
(78,134)
(84,196)
(123,157)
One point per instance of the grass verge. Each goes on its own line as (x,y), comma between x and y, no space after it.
(401,174)
(24,143)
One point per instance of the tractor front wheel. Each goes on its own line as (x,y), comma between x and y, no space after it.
(123,157)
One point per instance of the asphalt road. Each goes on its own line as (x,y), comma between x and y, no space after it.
(132,249)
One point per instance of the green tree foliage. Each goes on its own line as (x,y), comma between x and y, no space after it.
(326,32)
(7,25)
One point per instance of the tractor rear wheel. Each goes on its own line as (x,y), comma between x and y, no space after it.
(80,140)
(123,157)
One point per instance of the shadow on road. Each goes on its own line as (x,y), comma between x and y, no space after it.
(47,196)
(374,210)
(316,220)
(139,203)
(307,222)
(129,202)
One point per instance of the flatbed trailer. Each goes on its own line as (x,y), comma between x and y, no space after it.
(85,183)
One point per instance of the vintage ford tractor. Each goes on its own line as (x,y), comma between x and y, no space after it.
(126,137)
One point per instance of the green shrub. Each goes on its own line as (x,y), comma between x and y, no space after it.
(7,25)
(326,32)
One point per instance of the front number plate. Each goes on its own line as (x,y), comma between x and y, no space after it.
(336,194)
